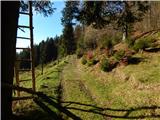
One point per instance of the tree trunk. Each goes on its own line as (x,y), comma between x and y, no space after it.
(42,68)
(124,36)
(10,13)
(125,33)
(125,27)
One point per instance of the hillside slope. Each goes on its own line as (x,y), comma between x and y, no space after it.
(126,92)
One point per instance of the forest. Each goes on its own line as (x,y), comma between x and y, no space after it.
(82,37)
(104,66)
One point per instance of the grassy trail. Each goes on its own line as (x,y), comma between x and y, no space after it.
(104,97)
(76,95)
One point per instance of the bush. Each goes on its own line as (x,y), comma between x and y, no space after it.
(130,42)
(79,53)
(83,61)
(106,42)
(90,55)
(119,55)
(142,44)
(90,38)
(105,65)
(92,62)
(90,44)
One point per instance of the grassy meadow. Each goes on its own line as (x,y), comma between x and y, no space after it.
(127,92)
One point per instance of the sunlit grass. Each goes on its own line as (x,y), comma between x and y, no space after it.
(133,86)
(127,88)
(46,83)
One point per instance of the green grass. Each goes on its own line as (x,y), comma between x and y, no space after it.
(74,91)
(138,86)
(46,83)
(146,71)
(125,92)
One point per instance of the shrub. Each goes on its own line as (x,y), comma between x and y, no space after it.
(108,38)
(119,55)
(116,38)
(80,47)
(90,44)
(90,38)
(83,61)
(92,62)
(130,42)
(142,44)
(89,55)
(79,53)
(106,42)
(105,65)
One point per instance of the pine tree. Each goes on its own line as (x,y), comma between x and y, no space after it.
(132,12)
(93,13)
(69,13)
(42,54)
(50,50)
(25,54)
(37,54)
(122,13)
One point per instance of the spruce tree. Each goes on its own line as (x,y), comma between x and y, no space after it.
(42,54)
(69,13)
(122,13)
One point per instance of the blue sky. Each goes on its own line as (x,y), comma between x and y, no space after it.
(43,26)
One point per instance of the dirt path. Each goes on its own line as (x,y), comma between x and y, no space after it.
(77,96)
(72,75)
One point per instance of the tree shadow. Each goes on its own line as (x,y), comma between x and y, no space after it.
(46,102)
(153,50)
(44,98)
(102,111)
(135,60)
(25,80)
(114,113)
(32,115)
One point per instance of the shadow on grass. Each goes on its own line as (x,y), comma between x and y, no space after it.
(135,60)
(44,98)
(45,101)
(101,111)
(153,50)
(32,115)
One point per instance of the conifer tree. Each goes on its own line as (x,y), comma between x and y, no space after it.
(122,13)
(69,13)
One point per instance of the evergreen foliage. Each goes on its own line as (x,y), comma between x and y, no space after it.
(142,43)
(42,7)
(93,13)
(25,54)
(50,50)
(68,39)
(37,54)
(105,64)
(92,61)
(119,55)
(84,61)
(45,52)
(69,13)
(120,13)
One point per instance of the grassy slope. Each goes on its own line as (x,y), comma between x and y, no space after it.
(134,86)
(92,94)
(47,83)
(124,93)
